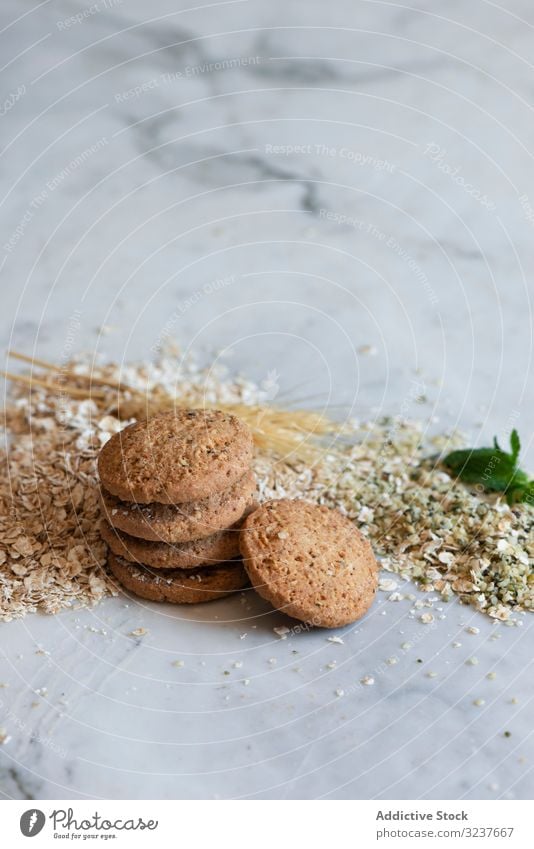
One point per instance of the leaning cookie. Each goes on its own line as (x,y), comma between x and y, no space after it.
(222,546)
(183,455)
(178,586)
(309,562)
(181,522)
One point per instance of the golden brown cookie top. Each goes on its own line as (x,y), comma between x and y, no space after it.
(309,561)
(182,455)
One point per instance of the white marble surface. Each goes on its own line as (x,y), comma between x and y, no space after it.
(136,170)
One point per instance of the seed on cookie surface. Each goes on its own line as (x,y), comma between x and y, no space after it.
(182,455)
(322,571)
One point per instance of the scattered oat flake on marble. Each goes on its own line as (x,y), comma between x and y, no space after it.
(387,585)
(138,632)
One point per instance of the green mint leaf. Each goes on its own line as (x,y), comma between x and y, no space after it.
(528,495)
(487,466)
(521,493)
(515,445)
(494,469)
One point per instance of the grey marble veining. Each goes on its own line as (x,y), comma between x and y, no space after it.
(362,174)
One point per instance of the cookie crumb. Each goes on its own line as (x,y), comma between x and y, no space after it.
(396,597)
(138,632)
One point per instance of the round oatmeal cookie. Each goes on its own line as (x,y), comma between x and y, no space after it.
(179,586)
(218,548)
(182,455)
(310,562)
(185,521)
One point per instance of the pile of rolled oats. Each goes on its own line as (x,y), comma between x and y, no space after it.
(51,554)
(422,524)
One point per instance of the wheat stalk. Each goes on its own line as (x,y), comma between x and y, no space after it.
(298,433)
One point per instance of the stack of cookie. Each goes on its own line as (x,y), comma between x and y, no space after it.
(182,524)
(175,489)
